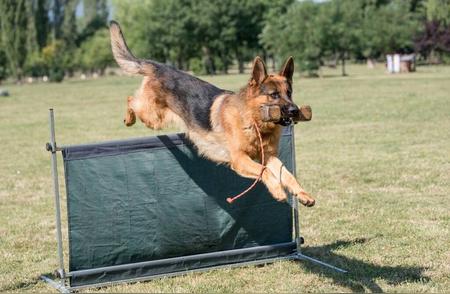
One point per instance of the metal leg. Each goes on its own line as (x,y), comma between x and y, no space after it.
(60,287)
(298,238)
(294,200)
(57,197)
(300,256)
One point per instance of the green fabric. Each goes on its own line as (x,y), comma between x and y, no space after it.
(156,203)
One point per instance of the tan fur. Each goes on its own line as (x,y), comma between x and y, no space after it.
(149,105)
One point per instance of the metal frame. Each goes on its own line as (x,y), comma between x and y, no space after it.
(297,237)
(63,287)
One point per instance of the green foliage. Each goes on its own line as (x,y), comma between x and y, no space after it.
(69,36)
(95,53)
(13,29)
(36,65)
(95,18)
(338,24)
(387,29)
(226,29)
(176,31)
(54,56)
(56,74)
(32,44)
(296,33)
(341,29)
(42,22)
(196,66)
(141,31)
(209,36)
(438,10)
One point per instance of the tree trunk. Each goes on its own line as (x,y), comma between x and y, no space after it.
(241,65)
(264,56)
(240,61)
(180,63)
(208,62)
(225,64)
(343,65)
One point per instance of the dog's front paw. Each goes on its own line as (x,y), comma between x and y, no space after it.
(130,118)
(305,199)
(279,195)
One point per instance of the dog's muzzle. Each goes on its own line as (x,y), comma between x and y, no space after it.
(286,114)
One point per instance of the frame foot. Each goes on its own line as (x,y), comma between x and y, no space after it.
(58,285)
(300,256)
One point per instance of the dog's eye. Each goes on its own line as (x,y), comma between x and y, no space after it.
(275,95)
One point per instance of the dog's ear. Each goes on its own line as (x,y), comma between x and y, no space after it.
(287,70)
(259,72)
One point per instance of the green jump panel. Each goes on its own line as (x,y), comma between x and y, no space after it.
(154,199)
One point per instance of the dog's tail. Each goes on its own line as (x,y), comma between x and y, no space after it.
(122,54)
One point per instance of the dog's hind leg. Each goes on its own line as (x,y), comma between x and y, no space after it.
(243,165)
(288,180)
(130,116)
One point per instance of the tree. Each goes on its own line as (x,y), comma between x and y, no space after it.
(32,44)
(95,9)
(69,35)
(438,10)
(41,22)
(33,64)
(249,16)
(143,36)
(434,41)
(95,18)
(181,32)
(3,66)
(95,53)
(214,31)
(296,33)
(53,55)
(338,23)
(386,29)
(57,19)
(13,27)
(172,23)
(274,11)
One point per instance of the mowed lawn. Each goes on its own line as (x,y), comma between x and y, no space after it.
(376,156)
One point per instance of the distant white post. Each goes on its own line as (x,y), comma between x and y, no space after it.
(390,65)
(396,63)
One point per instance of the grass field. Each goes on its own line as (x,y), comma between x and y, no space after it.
(376,156)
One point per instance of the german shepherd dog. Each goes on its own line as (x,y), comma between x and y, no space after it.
(223,125)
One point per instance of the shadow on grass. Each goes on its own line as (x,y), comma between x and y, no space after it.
(361,275)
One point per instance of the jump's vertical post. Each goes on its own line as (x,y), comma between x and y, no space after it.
(53,150)
(295,206)
(297,237)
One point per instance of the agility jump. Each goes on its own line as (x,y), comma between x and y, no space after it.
(152,207)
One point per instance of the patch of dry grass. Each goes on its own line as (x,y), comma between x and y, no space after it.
(376,156)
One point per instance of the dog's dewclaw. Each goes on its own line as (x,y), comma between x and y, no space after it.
(305,113)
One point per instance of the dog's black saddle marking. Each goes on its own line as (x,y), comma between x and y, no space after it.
(193,95)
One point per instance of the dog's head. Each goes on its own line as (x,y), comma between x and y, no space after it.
(274,92)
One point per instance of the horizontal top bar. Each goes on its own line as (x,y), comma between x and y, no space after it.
(83,151)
